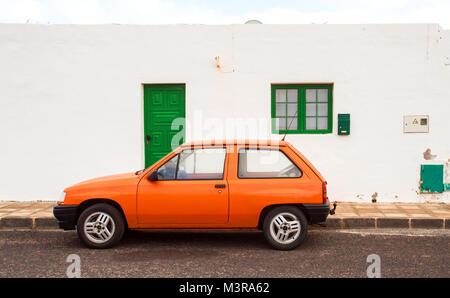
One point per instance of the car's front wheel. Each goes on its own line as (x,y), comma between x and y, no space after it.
(100,226)
(285,227)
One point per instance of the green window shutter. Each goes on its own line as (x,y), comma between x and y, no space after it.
(302,109)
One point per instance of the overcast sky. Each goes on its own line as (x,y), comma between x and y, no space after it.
(225,11)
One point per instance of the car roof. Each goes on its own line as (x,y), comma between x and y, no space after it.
(235,142)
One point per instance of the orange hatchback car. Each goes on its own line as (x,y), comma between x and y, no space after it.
(262,185)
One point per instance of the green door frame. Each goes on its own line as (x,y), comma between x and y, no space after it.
(163,103)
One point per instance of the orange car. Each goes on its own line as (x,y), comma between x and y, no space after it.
(226,185)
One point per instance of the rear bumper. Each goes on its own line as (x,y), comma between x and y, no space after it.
(317,213)
(66,216)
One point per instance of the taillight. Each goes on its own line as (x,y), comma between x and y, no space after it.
(324,192)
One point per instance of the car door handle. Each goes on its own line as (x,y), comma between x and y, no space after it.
(147,138)
(219,186)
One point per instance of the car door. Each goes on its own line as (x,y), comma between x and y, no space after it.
(191,190)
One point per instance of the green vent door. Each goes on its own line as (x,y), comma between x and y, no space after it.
(432,178)
(164,117)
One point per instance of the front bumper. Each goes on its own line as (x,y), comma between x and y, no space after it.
(66,216)
(317,213)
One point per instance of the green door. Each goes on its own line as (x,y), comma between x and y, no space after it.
(164,117)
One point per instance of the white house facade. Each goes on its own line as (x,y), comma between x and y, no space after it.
(362,102)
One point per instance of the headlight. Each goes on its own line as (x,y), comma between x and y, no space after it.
(62,197)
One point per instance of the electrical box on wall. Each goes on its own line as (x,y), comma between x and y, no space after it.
(343,124)
(416,123)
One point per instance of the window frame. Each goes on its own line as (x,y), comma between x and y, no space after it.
(177,156)
(301,106)
(195,148)
(272,149)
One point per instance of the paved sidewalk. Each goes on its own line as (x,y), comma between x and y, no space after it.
(39,215)
(390,215)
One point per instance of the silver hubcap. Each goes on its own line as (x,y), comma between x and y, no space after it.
(99,227)
(285,228)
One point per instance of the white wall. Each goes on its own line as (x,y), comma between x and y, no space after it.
(71,97)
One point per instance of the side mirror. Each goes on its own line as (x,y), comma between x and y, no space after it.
(153,176)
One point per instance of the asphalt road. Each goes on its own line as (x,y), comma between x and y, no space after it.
(325,253)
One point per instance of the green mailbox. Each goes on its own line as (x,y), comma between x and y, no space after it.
(343,124)
(432,178)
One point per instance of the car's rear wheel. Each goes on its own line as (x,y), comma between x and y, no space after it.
(285,227)
(100,226)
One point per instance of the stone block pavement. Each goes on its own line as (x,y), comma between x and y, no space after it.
(39,215)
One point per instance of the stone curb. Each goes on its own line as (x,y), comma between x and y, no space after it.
(358,223)
(427,223)
(332,222)
(393,222)
(17,222)
(45,223)
(387,222)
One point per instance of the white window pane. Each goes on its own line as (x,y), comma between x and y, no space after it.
(292,95)
(292,109)
(292,123)
(201,164)
(266,164)
(310,109)
(281,95)
(322,94)
(280,109)
(322,109)
(310,123)
(310,95)
(322,123)
(280,123)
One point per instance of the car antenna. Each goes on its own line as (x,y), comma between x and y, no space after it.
(289,126)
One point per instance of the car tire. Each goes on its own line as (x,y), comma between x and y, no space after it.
(285,227)
(101,226)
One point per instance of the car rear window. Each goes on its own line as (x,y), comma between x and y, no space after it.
(266,163)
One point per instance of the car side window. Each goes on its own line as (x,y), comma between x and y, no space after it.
(266,163)
(168,170)
(201,164)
